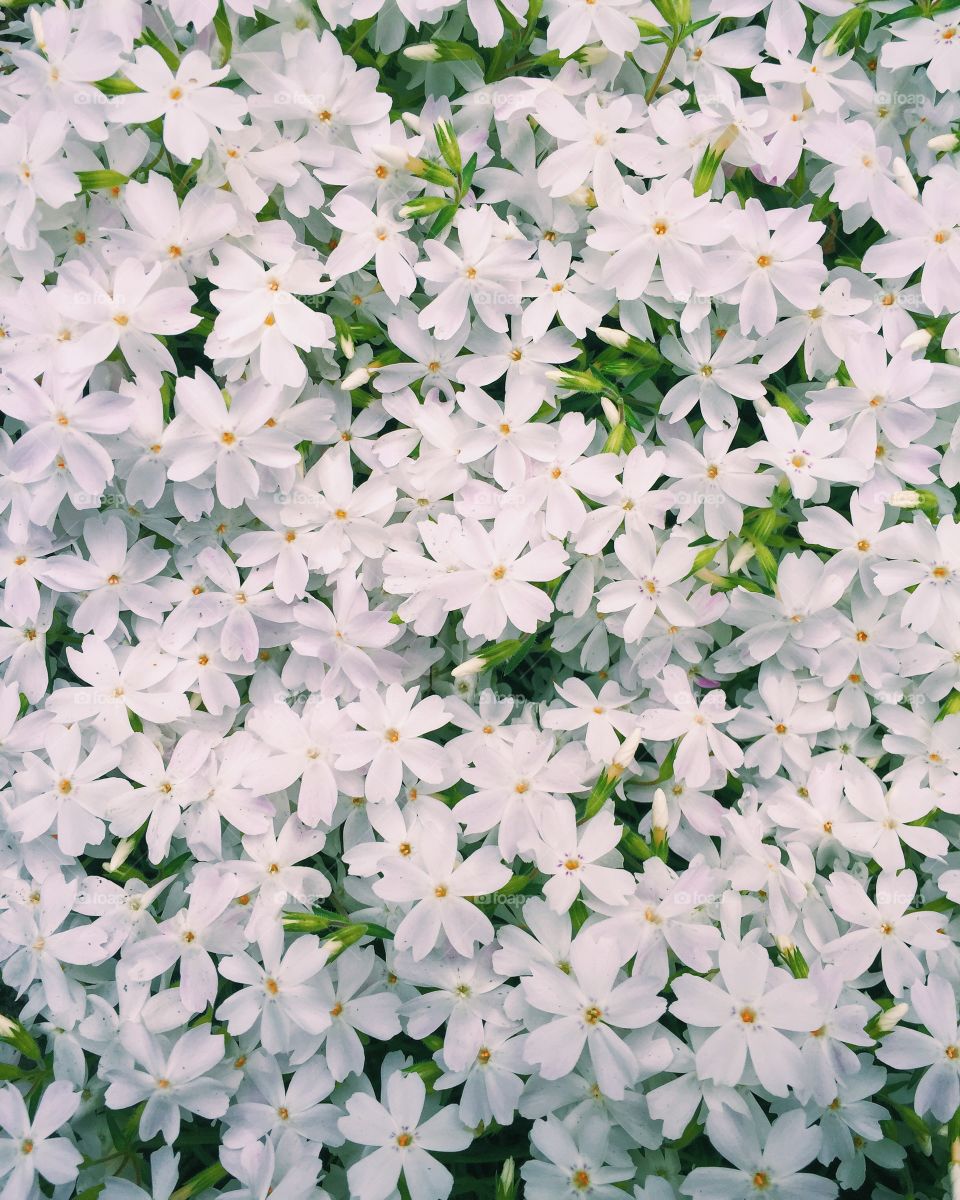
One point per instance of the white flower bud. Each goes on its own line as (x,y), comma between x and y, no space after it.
(36,20)
(473,666)
(610,411)
(613,337)
(424,52)
(121,854)
(903,177)
(763,406)
(943,141)
(920,339)
(356,379)
(583,197)
(892,1017)
(628,748)
(742,557)
(660,815)
(905,499)
(393,156)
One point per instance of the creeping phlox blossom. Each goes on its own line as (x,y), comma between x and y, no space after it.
(479,599)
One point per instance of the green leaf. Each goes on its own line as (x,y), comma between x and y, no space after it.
(917,10)
(221,24)
(116,85)
(170,57)
(95,181)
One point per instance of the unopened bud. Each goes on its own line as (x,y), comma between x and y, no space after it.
(506,1185)
(448,145)
(422,52)
(423,206)
(121,854)
(342,940)
(583,197)
(762,406)
(392,156)
(947,142)
(842,32)
(577,381)
(659,816)
(741,557)
(904,179)
(892,1017)
(591,56)
(628,748)
(905,499)
(610,411)
(36,21)
(920,339)
(613,337)
(16,1035)
(357,378)
(473,666)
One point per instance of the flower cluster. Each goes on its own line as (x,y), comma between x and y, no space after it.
(480,609)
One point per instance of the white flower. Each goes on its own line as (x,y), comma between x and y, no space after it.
(188,100)
(588,1004)
(402,1140)
(169,1077)
(582,860)
(28,1149)
(390,738)
(934,1004)
(441,889)
(884,927)
(749,1007)
(765,1157)
(261,315)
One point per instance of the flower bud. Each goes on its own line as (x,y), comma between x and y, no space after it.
(628,748)
(610,411)
(577,381)
(583,197)
(591,56)
(741,557)
(904,178)
(920,339)
(422,52)
(473,666)
(660,821)
(892,1017)
(423,206)
(613,337)
(947,142)
(506,1185)
(342,940)
(121,854)
(17,1036)
(448,145)
(357,378)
